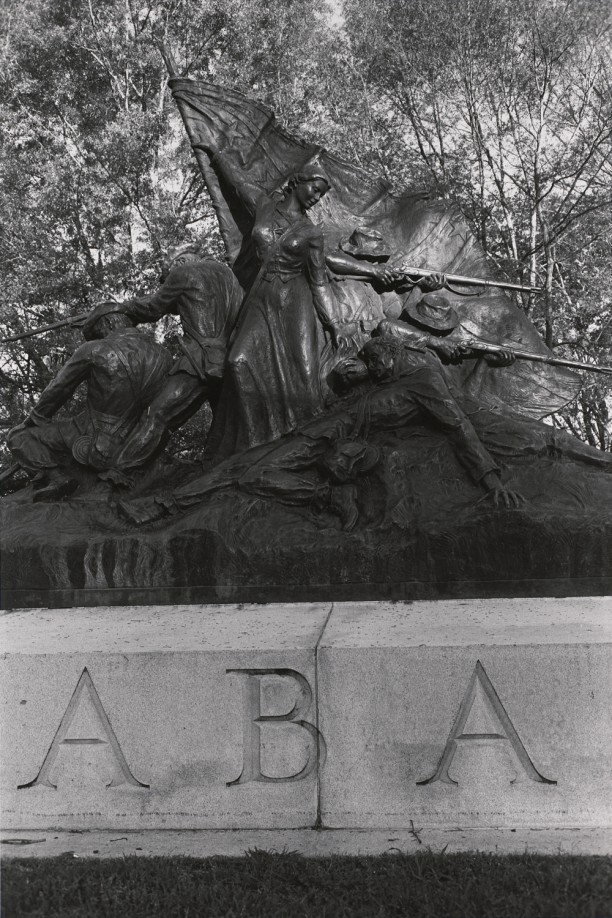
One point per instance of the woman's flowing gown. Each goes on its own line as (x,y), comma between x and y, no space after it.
(272,379)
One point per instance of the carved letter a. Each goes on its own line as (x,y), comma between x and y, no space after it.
(84,685)
(508,734)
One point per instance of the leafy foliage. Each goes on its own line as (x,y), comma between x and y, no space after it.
(505,108)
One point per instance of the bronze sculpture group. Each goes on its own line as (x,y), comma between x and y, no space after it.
(323,345)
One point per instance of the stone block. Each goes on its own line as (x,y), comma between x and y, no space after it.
(443,715)
(476,713)
(164,717)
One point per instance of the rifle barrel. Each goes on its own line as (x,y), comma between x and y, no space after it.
(468,281)
(540,358)
(45,328)
(7,473)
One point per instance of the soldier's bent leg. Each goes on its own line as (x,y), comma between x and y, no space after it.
(575,449)
(46,451)
(39,448)
(180,398)
(287,487)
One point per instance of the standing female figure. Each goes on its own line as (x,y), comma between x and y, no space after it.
(272,379)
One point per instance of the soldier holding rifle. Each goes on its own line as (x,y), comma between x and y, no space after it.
(206,296)
(406,359)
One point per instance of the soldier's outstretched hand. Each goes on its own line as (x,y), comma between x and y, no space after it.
(502,497)
(432,282)
(501,358)
(448,351)
(506,498)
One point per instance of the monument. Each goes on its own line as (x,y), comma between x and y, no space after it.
(462,490)
(379,524)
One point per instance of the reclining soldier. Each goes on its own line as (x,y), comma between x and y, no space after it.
(407,359)
(411,387)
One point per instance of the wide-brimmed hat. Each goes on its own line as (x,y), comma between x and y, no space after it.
(433,311)
(358,455)
(366,242)
(103,309)
(186,248)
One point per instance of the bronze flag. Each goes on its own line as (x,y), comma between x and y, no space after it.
(411,228)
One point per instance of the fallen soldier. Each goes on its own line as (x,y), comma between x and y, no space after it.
(410,387)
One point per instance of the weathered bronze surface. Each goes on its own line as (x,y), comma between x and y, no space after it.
(124,372)
(360,217)
(206,296)
(373,434)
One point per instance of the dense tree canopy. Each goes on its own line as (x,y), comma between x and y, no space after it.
(504,106)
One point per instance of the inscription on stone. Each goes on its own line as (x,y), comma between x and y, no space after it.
(481,690)
(253,720)
(96,719)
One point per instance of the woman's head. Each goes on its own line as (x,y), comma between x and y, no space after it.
(308,187)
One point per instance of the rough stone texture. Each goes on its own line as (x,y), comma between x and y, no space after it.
(149,689)
(394,676)
(176,714)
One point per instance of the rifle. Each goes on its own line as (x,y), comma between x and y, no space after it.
(482,348)
(8,472)
(74,320)
(409,271)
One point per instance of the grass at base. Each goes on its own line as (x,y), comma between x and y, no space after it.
(288,885)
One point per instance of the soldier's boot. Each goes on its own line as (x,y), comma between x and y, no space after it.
(343,502)
(57,486)
(144,510)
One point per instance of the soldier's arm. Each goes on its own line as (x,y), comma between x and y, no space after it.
(448,349)
(395,328)
(60,389)
(163,303)
(343,263)
(495,355)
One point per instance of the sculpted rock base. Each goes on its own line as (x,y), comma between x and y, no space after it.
(423,531)
(367,715)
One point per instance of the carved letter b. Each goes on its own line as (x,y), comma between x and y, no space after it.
(253,718)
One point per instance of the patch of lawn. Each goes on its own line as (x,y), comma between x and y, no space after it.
(290,886)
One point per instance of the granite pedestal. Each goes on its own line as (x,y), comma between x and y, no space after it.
(471,714)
